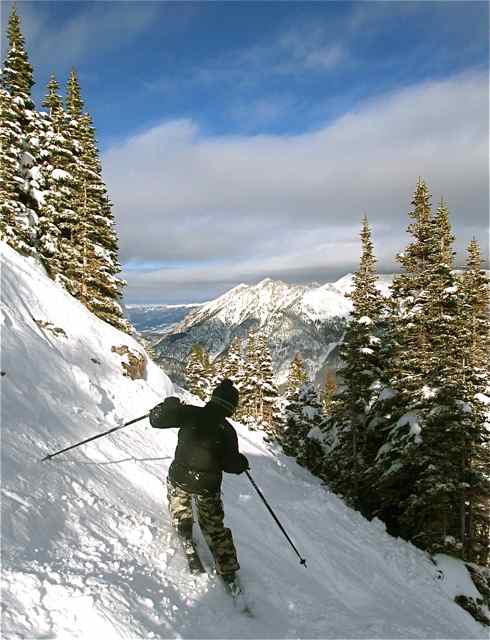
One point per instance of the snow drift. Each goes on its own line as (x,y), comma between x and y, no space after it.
(87,546)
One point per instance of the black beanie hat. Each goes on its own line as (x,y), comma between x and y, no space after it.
(225,395)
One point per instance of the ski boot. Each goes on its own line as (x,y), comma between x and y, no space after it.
(189,548)
(232,584)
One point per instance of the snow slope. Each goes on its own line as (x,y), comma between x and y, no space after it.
(87,549)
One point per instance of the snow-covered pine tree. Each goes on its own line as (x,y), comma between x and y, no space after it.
(406,367)
(475,497)
(298,413)
(289,430)
(249,395)
(475,283)
(431,513)
(426,465)
(297,375)
(21,130)
(360,374)
(267,389)
(53,200)
(233,364)
(17,70)
(290,407)
(310,453)
(197,371)
(258,390)
(14,223)
(97,264)
(57,216)
(214,373)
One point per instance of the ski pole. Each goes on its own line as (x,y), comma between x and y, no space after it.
(302,560)
(106,433)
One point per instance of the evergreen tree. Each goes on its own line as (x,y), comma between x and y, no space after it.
(233,364)
(430,512)
(267,390)
(74,102)
(53,101)
(290,408)
(93,276)
(475,284)
(300,413)
(17,70)
(258,390)
(215,371)
(310,452)
(197,371)
(296,426)
(428,465)
(360,373)
(297,375)
(329,390)
(53,200)
(14,223)
(249,396)
(21,129)
(475,495)
(408,302)
(407,365)
(57,219)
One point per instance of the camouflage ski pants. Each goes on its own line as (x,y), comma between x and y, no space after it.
(210,515)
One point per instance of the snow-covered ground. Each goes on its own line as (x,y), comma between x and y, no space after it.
(86,543)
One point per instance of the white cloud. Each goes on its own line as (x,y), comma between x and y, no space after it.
(291,204)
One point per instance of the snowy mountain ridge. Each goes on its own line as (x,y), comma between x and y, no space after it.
(234,307)
(308,319)
(88,550)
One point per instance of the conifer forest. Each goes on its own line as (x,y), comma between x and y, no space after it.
(53,200)
(400,431)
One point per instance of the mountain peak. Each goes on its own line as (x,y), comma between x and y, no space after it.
(266,281)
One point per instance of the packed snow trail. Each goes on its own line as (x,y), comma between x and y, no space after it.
(87,547)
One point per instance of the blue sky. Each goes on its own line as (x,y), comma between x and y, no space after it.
(267,107)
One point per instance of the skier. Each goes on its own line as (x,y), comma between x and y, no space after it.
(207,446)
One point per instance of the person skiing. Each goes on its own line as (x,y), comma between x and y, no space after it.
(207,446)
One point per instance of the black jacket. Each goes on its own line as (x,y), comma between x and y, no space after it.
(207,444)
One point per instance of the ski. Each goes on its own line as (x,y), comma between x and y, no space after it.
(235,590)
(232,588)
(192,556)
(194,563)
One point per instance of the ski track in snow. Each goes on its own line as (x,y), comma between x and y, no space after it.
(87,545)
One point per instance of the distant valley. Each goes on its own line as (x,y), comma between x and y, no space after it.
(158,318)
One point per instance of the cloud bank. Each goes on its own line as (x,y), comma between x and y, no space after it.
(217,210)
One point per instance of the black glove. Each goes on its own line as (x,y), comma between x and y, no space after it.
(157,414)
(237,464)
(244,466)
